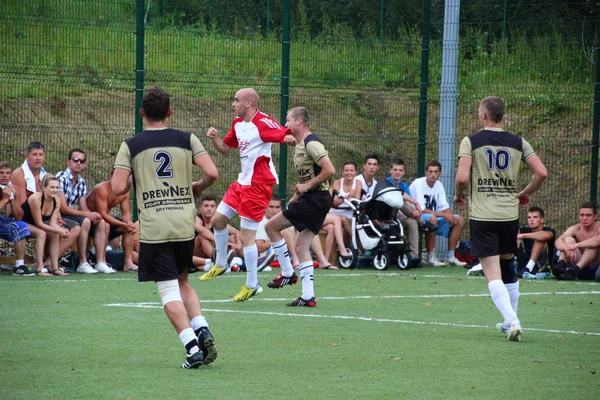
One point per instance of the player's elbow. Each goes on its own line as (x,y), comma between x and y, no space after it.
(118,188)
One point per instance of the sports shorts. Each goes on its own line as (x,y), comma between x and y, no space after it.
(78,219)
(443,225)
(250,201)
(164,261)
(12,230)
(309,211)
(492,238)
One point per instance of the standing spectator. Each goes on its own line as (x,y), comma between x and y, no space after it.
(307,209)
(74,207)
(490,161)
(430,194)
(12,230)
(28,177)
(40,211)
(160,160)
(102,199)
(579,255)
(367,178)
(253,132)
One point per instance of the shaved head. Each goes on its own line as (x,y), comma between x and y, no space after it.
(249,94)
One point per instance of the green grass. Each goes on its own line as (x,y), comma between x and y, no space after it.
(422,334)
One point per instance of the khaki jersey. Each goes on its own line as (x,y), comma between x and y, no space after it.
(161,163)
(306,155)
(496,158)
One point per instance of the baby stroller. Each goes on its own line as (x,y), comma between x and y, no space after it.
(376,228)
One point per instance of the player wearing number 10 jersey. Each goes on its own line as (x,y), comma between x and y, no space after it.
(493,157)
(160,160)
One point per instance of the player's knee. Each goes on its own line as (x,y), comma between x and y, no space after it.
(508,271)
(169,291)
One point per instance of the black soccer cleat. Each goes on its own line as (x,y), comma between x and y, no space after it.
(281,281)
(193,361)
(300,302)
(206,342)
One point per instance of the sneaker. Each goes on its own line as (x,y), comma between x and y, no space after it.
(105,268)
(455,261)
(569,275)
(207,345)
(267,269)
(193,361)
(514,332)
(428,227)
(264,262)
(477,269)
(213,273)
(434,262)
(527,275)
(246,293)
(23,270)
(502,327)
(300,302)
(6,267)
(559,268)
(85,268)
(281,281)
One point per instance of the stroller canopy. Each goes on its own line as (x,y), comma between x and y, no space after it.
(386,198)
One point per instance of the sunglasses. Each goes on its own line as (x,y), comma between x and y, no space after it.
(78,160)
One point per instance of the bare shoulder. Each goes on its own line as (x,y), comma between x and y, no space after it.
(17,176)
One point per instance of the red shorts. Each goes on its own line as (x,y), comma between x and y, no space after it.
(249,201)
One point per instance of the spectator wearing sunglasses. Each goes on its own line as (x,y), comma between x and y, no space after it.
(73,207)
(28,177)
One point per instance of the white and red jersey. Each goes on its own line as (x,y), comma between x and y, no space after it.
(254,139)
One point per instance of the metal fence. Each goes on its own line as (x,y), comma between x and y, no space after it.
(69,70)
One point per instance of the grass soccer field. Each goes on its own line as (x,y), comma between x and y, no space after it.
(421,334)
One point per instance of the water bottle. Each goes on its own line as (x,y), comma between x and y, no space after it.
(541,275)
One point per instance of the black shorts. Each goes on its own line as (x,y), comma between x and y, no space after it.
(114,230)
(492,238)
(164,261)
(309,211)
(78,219)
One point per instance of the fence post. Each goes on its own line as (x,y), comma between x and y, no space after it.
(381,19)
(268,17)
(504,18)
(423,86)
(596,123)
(139,76)
(285,95)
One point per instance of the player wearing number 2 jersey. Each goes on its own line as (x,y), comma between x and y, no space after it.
(160,160)
(492,158)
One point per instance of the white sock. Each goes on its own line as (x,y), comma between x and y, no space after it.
(221,238)
(188,336)
(307,270)
(430,255)
(283,256)
(251,258)
(198,322)
(450,253)
(206,267)
(18,263)
(530,265)
(501,299)
(513,292)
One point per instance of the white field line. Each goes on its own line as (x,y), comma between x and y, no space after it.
(356,318)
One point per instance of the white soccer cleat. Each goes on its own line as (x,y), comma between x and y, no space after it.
(477,269)
(514,332)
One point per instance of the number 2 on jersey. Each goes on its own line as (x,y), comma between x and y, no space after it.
(165,159)
(499,159)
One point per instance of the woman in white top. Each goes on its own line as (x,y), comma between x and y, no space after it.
(338,221)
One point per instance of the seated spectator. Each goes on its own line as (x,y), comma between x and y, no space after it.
(580,247)
(410,213)
(12,230)
(28,177)
(536,246)
(40,212)
(73,207)
(102,200)
(367,178)
(430,194)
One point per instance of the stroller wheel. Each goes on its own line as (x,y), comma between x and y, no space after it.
(350,260)
(403,261)
(381,261)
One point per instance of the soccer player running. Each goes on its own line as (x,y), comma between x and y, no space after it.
(307,209)
(493,157)
(160,160)
(252,132)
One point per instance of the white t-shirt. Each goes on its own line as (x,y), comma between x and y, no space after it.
(367,188)
(432,198)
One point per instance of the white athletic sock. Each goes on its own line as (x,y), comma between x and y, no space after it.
(188,338)
(530,265)
(221,238)
(18,263)
(198,322)
(450,253)
(251,258)
(307,275)
(283,256)
(501,299)
(513,292)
